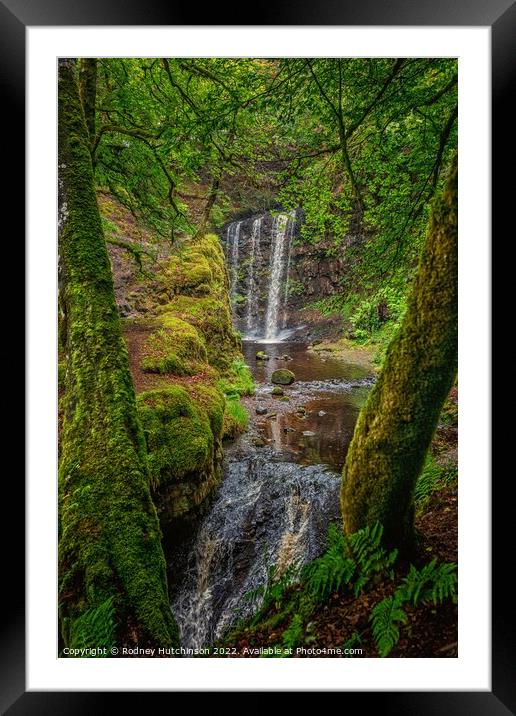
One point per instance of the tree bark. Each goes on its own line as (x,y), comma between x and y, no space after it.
(88,92)
(109,544)
(396,426)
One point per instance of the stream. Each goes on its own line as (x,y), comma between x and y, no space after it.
(279,491)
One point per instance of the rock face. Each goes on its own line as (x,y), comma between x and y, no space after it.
(282,376)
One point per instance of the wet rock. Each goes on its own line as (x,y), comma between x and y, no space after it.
(261,355)
(282,376)
(289,430)
(277,390)
(300,410)
(258,441)
(321,413)
(308,434)
(286,357)
(261,410)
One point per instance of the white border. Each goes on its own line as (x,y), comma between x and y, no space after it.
(471,670)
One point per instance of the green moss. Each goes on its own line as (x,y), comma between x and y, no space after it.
(282,376)
(395,427)
(109,534)
(197,269)
(178,434)
(61,374)
(175,348)
(237,380)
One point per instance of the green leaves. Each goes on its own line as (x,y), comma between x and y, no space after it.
(385,618)
(432,584)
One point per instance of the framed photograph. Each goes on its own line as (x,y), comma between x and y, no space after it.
(254,287)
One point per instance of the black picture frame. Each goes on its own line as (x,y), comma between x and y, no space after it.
(500,15)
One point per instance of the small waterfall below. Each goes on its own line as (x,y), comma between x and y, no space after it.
(265,512)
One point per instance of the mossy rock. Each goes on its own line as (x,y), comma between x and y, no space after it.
(277,391)
(175,348)
(261,355)
(282,376)
(196,269)
(211,316)
(178,432)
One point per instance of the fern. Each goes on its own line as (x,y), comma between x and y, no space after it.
(332,570)
(292,635)
(432,478)
(355,640)
(370,557)
(94,628)
(274,592)
(433,583)
(385,618)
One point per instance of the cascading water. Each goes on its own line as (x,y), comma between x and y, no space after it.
(249,244)
(265,513)
(252,283)
(277,272)
(292,223)
(232,244)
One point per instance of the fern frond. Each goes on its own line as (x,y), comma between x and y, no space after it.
(432,583)
(292,635)
(385,617)
(95,628)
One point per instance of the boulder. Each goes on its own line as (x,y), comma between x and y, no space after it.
(282,376)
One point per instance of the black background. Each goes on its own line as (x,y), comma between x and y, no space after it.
(15,15)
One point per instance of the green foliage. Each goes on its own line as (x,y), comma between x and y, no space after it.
(293,633)
(332,570)
(354,641)
(273,593)
(95,628)
(385,618)
(238,380)
(354,560)
(236,417)
(370,557)
(433,477)
(432,584)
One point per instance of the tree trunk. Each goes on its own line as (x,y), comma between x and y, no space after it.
(396,426)
(109,546)
(88,92)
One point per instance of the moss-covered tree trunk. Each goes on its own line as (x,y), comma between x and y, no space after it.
(395,427)
(88,92)
(110,551)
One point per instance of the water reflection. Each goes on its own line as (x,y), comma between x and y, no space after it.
(331,392)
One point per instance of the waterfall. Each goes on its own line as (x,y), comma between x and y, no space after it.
(277,267)
(264,513)
(232,244)
(252,283)
(246,246)
(292,223)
